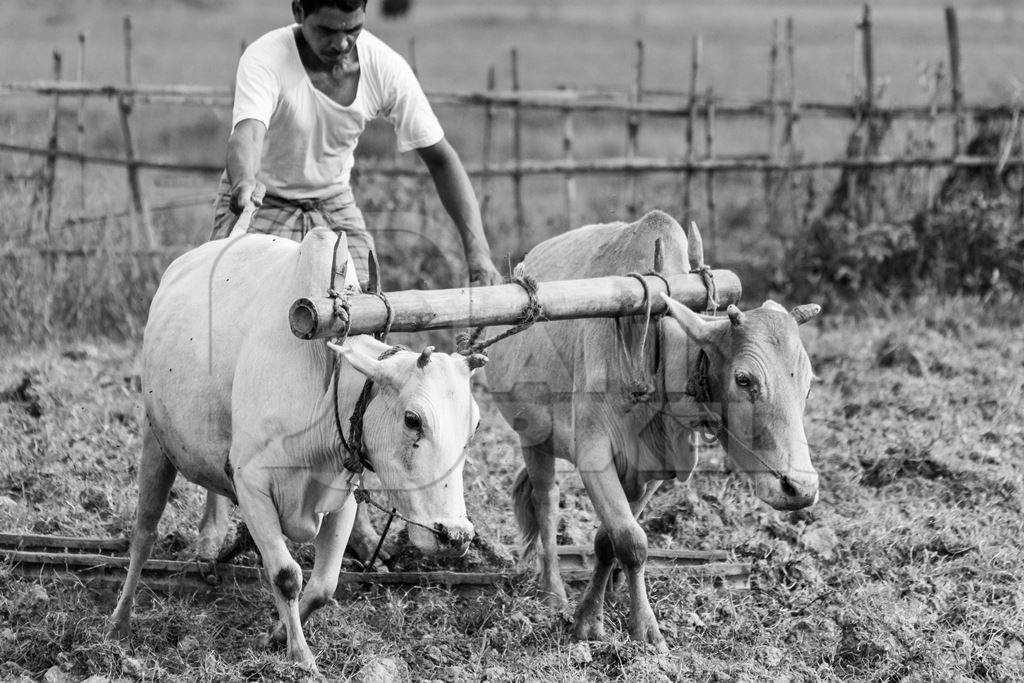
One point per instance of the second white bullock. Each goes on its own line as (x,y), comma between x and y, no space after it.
(620,399)
(240,406)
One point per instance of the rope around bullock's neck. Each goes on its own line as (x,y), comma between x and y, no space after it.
(639,389)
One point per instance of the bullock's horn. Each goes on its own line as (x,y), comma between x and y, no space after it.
(805,312)
(424,358)
(736,316)
(695,246)
(476,360)
(659,256)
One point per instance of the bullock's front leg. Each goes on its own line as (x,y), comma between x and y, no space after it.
(263,521)
(330,545)
(619,538)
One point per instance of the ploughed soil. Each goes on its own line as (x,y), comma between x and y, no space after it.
(910,567)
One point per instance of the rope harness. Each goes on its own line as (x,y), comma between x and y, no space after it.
(357,459)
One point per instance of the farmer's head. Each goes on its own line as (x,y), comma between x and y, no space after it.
(330,27)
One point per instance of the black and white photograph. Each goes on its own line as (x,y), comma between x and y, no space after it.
(476,340)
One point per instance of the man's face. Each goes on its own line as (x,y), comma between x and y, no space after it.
(330,32)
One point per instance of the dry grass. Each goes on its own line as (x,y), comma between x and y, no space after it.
(910,565)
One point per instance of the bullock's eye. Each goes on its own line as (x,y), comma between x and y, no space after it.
(413,421)
(743,380)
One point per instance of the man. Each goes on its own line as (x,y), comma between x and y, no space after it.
(303,95)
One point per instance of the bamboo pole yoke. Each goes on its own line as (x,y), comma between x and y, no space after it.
(605,297)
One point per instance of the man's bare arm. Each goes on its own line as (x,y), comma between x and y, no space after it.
(459,200)
(245,148)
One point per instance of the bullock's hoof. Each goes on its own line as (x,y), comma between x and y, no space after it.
(558,603)
(303,657)
(589,623)
(277,635)
(263,641)
(118,630)
(645,629)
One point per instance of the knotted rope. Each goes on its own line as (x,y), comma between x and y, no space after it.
(468,342)
(708,277)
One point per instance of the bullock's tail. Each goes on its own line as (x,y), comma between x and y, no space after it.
(526,514)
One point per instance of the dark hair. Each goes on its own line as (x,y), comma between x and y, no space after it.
(311,6)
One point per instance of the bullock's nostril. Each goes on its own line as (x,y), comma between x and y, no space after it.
(788,488)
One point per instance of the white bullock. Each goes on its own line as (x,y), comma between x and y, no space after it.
(242,407)
(570,390)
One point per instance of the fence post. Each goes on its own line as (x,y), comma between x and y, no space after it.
(50,177)
(633,129)
(570,181)
(485,181)
(125,105)
(695,55)
(867,174)
(709,176)
(956,79)
(80,122)
(789,131)
(517,149)
(933,115)
(771,177)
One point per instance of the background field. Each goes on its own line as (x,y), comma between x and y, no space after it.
(565,43)
(909,567)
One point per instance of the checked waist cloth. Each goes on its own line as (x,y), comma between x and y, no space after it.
(293,218)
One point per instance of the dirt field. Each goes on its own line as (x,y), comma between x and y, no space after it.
(909,567)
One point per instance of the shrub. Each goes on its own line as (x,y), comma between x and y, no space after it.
(970,244)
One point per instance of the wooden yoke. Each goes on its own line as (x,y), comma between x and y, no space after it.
(415,310)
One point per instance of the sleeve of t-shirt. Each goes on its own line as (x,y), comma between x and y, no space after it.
(256,91)
(407,108)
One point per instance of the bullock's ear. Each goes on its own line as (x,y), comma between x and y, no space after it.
(360,360)
(704,332)
(805,312)
(472,361)
(773,306)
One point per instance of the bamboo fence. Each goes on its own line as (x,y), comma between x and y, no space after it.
(780,167)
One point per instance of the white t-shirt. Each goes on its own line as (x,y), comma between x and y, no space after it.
(308,150)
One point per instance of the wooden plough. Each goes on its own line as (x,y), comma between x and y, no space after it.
(103,563)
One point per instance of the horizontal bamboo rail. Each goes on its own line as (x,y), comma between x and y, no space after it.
(414,310)
(756,162)
(560,100)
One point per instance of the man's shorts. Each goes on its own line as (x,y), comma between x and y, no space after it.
(293,218)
